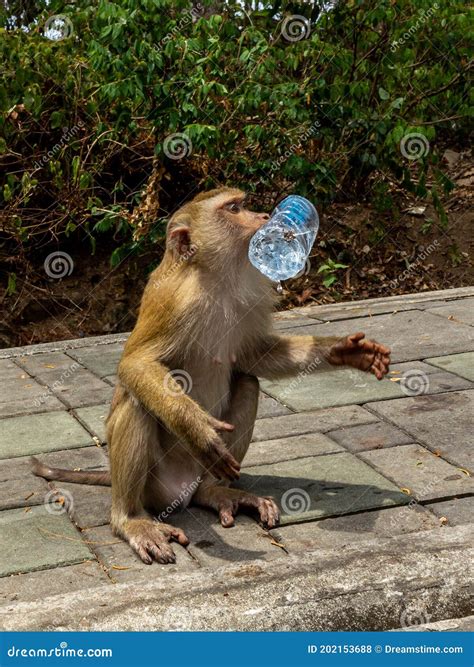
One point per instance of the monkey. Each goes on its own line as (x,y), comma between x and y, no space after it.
(185,403)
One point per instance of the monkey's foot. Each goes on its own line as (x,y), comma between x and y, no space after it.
(150,540)
(227,503)
(359,352)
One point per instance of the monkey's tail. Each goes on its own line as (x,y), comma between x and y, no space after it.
(99,477)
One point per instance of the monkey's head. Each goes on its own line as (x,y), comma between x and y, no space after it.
(214,228)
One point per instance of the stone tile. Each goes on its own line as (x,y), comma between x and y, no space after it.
(23,395)
(411,334)
(370,436)
(18,486)
(122,564)
(442,422)
(212,545)
(9,370)
(61,580)
(319,486)
(101,361)
(291,323)
(88,506)
(93,418)
(462,310)
(68,380)
(83,458)
(284,449)
(319,421)
(459,364)
(353,311)
(416,468)
(37,540)
(458,511)
(32,434)
(346,386)
(404,366)
(269,407)
(343,531)
(111,379)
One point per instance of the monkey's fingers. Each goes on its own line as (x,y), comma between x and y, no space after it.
(179,536)
(220,425)
(226,513)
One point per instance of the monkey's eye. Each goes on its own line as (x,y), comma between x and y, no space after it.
(233,207)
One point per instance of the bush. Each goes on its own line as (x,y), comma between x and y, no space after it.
(327,104)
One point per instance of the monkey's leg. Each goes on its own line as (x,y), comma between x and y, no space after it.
(226,502)
(132,435)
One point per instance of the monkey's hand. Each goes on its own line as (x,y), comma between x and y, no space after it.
(214,454)
(358,352)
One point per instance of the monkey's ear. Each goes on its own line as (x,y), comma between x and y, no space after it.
(178,235)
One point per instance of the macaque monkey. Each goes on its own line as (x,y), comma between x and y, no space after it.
(186,400)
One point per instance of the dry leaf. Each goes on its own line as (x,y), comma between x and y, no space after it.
(27,509)
(466,472)
(443,520)
(49,366)
(120,567)
(29,495)
(277,544)
(395,379)
(395,372)
(405,490)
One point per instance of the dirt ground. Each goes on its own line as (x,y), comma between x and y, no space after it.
(396,249)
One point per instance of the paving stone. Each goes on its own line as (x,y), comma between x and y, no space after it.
(115,554)
(291,323)
(24,395)
(18,486)
(88,506)
(310,422)
(111,379)
(37,585)
(67,379)
(416,468)
(331,314)
(459,364)
(83,458)
(370,436)
(9,370)
(458,511)
(319,486)
(404,366)
(442,422)
(284,449)
(269,407)
(412,334)
(93,418)
(212,545)
(37,540)
(345,530)
(32,434)
(462,310)
(101,361)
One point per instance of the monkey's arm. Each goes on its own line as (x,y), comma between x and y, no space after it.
(280,356)
(153,385)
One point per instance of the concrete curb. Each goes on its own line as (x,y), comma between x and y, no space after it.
(376,585)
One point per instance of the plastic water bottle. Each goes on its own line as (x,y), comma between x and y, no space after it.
(280,248)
